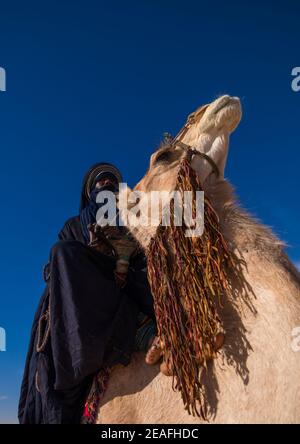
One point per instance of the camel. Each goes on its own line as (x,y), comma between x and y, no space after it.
(255,377)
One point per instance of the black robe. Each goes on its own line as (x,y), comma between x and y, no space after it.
(92,325)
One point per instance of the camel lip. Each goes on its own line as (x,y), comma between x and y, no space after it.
(223,112)
(223,102)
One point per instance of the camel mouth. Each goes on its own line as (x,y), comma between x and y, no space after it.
(223,114)
(223,102)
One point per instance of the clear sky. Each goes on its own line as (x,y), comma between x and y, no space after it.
(102,80)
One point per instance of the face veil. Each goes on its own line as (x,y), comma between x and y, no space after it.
(88,205)
(98,170)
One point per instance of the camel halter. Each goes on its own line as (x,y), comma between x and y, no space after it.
(190,150)
(193,151)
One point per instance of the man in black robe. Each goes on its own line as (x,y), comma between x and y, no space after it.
(85,321)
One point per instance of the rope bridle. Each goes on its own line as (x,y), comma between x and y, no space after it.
(190,150)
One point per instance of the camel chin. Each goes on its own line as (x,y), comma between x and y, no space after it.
(222,115)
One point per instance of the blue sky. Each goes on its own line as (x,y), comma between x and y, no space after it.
(97,80)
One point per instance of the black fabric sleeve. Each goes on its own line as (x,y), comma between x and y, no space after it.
(72,230)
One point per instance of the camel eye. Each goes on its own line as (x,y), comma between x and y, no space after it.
(165,156)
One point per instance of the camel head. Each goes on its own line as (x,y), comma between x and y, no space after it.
(207,130)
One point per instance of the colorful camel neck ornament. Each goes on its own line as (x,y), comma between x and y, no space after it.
(188,278)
